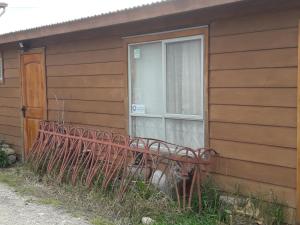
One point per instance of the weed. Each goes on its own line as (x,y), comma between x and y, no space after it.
(270,212)
(142,200)
(3,159)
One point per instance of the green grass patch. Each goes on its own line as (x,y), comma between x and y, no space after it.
(49,201)
(100,221)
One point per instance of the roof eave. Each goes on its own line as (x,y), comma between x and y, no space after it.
(120,17)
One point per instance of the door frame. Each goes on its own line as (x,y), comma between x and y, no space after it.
(180,33)
(40,50)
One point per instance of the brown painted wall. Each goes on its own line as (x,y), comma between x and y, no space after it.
(252,94)
(253,75)
(10,101)
(88,82)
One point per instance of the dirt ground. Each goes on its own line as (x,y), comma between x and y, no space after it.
(18,210)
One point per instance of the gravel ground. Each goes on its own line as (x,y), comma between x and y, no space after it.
(17,210)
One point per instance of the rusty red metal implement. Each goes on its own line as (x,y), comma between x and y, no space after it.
(115,162)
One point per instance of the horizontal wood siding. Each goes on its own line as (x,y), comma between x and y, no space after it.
(10,102)
(86,82)
(253,81)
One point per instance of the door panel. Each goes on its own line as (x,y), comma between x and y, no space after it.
(33,96)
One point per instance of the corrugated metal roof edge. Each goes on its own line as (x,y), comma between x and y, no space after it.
(84,18)
(156,9)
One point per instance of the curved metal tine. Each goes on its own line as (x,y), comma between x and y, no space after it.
(47,151)
(98,149)
(198,182)
(86,163)
(176,186)
(58,140)
(50,148)
(100,167)
(195,174)
(112,177)
(37,150)
(78,166)
(133,173)
(68,156)
(115,160)
(36,145)
(82,145)
(91,151)
(43,140)
(55,163)
(120,172)
(76,154)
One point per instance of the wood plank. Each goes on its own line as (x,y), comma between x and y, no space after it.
(285,38)
(9,92)
(14,141)
(11,82)
(255,134)
(107,55)
(95,94)
(10,130)
(11,63)
(10,102)
(87,106)
(87,81)
(254,59)
(84,45)
(86,69)
(102,120)
(276,175)
(275,116)
(100,128)
(10,54)
(281,97)
(253,23)
(247,187)
(11,73)
(285,157)
(11,112)
(10,121)
(267,77)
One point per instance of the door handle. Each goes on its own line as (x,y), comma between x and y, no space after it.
(23,109)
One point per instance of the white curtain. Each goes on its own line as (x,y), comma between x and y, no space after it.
(184,81)
(184,93)
(188,133)
(147,127)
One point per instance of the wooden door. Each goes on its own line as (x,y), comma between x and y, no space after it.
(33,96)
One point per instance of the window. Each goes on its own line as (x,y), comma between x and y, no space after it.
(166,90)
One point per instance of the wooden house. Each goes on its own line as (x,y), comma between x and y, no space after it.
(200,73)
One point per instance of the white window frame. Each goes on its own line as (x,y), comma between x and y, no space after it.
(164,74)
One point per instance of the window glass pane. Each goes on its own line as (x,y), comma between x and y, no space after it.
(185,133)
(146,77)
(147,127)
(184,81)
